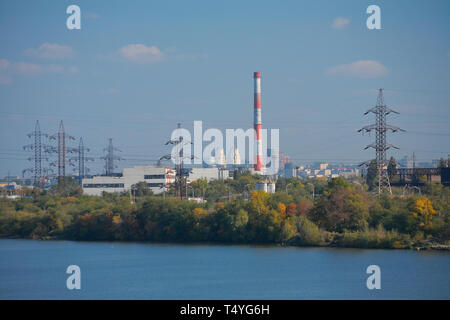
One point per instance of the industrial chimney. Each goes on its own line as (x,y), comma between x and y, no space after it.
(257,121)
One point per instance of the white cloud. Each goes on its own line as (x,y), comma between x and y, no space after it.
(361,69)
(50,51)
(4,68)
(340,23)
(33,69)
(140,53)
(9,69)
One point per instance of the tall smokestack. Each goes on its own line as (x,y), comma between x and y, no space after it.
(257,121)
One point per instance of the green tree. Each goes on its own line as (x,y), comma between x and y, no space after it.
(308,233)
(442,163)
(141,189)
(392,168)
(342,208)
(372,173)
(66,187)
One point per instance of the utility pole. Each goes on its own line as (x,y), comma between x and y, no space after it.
(381,145)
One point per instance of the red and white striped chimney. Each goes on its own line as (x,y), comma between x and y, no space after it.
(257,121)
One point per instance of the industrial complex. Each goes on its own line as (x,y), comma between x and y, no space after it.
(162,176)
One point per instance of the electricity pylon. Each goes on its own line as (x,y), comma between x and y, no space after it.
(37,147)
(81,158)
(381,145)
(62,138)
(110,157)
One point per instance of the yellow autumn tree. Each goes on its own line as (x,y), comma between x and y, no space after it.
(260,200)
(200,212)
(423,211)
(282,210)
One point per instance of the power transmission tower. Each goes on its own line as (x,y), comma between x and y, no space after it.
(181,174)
(381,145)
(37,147)
(180,181)
(110,157)
(81,158)
(62,149)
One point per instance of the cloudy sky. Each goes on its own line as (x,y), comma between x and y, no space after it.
(136,68)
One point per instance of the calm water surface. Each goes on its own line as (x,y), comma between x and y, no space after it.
(110,270)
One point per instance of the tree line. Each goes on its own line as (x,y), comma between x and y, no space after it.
(309,212)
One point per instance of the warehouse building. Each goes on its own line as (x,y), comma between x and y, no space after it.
(156,178)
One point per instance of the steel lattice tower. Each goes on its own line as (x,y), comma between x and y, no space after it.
(381,146)
(81,158)
(109,158)
(37,154)
(62,136)
(180,178)
(61,150)
(38,147)
(37,158)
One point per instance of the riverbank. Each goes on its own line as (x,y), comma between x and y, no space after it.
(344,216)
(294,242)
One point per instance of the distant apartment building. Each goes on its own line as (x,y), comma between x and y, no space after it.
(289,170)
(349,173)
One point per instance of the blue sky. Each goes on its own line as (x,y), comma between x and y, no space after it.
(136,68)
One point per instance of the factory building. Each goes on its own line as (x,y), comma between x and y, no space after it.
(209,174)
(203,173)
(156,178)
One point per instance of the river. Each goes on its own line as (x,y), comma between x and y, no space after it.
(31,269)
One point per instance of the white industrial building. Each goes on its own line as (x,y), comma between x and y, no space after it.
(157,178)
(203,173)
